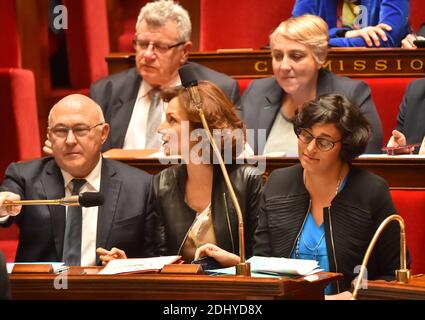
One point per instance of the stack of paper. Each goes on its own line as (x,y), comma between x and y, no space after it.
(283,266)
(276,267)
(138,265)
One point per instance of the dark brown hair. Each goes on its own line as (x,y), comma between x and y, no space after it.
(348,119)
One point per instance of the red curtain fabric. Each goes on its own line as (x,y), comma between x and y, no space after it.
(10,56)
(240,24)
(87,41)
(411,206)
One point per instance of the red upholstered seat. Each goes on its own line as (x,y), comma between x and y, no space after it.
(243,84)
(411,206)
(387,94)
(9,239)
(130,11)
(19,125)
(87,41)
(18,121)
(240,24)
(10,56)
(417,13)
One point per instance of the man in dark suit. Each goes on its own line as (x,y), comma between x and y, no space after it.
(77,130)
(411,118)
(4,279)
(162,44)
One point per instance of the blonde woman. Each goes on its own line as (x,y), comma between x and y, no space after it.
(299,48)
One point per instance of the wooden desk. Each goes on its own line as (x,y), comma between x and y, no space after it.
(415,289)
(164,287)
(400,173)
(351,62)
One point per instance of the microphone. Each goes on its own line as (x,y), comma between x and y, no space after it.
(86,199)
(190,82)
(402,274)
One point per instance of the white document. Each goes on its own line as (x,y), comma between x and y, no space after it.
(283,266)
(138,265)
(275,267)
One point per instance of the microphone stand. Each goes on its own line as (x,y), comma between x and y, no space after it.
(67,201)
(243,268)
(403,274)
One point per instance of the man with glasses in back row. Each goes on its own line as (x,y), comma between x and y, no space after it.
(77,131)
(129,99)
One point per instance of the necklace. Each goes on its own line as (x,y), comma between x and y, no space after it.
(297,247)
(313,250)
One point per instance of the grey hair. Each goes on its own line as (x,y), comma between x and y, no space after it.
(157,13)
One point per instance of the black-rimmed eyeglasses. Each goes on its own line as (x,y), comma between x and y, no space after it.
(80,130)
(323,144)
(156,46)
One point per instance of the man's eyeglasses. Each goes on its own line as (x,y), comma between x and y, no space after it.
(156,46)
(79,131)
(322,144)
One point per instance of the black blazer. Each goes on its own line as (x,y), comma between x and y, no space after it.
(4,280)
(117,95)
(123,220)
(350,222)
(262,99)
(411,118)
(175,217)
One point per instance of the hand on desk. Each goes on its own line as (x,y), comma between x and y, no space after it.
(398,140)
(9,210)
(371,35)
(407,42)
(225,258)
(105,256)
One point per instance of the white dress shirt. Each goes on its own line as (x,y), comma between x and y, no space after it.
(135,137)
(89,227)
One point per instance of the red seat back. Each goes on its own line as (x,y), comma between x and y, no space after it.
(87,41)
(417,13)
(10,55)
(130,10)
(387,93)
(411,206)
(19,120)
(240,24)
(9,239)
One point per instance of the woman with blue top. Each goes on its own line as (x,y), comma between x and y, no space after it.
(324,208)
(360,23)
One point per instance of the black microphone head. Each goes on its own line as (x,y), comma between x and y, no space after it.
(187,76)
(91,199)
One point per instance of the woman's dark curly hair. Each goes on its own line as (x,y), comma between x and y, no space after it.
(350,122)
(219,113)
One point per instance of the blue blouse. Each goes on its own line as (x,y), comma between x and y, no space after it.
(392,12)
(311,244)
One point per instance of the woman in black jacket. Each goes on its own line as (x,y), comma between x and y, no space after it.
(325,209)
(192,203)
